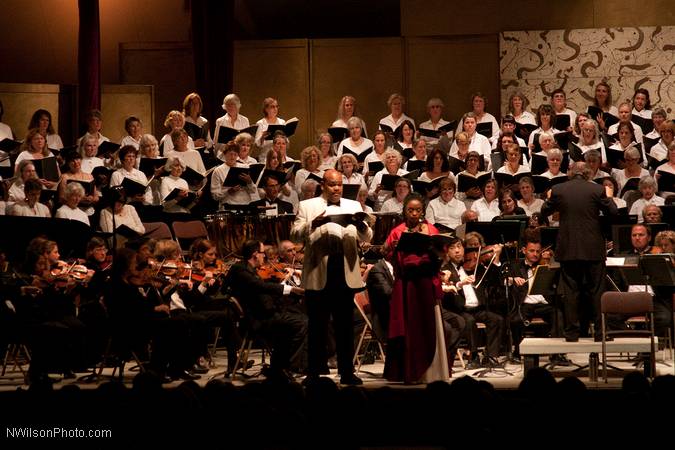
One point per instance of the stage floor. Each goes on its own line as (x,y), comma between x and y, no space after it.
(508,377)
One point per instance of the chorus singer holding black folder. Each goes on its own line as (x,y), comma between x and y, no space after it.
(392,167)
(270,109)
(581,246)
(391,123)
(373,162)
(355,143)
(232,192)
(129,171)
(179,201)
(665,174)
(331,274)
(232,119)
(436,127)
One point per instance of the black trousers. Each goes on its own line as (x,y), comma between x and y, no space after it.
(583,283)
(337,302)
(551,315)
(286,333)
(494,327)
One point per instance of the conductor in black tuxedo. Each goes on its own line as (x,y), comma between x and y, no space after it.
(581,245)
(380,283)
(272,187)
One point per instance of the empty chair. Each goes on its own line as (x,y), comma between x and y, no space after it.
(186,232)
(157,230)
(627,304)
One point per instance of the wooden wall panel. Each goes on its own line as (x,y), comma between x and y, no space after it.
(278,69)
(368,69)
(121,101)
(21,100)
(452,68)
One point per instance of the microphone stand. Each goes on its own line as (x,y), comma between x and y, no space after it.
(506,272)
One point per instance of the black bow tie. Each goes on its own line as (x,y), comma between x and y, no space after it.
(329,203)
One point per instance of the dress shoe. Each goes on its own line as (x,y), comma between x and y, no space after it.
(184,375)
(559,359)
(351,380)
(571,338)
(197,368)
(473,364)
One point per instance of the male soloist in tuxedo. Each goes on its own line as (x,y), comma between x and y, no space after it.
(272,200)
(331,273)
(581,246)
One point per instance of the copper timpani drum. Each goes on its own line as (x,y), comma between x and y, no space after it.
(384,223)
(274,229)
(229,230)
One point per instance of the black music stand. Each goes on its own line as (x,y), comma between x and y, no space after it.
(658,269)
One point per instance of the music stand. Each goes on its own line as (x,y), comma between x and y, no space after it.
(658,269)
(499,231)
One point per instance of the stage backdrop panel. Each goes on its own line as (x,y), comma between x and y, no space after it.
(21,100)
(537,62)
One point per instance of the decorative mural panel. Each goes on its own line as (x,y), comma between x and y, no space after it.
(537,62)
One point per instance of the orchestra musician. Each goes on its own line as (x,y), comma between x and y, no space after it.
(331,274)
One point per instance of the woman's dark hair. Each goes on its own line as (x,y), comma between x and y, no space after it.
(629,127)
(503,194)
(35,120)
(410,197)
(399,134)
(113,195)
(545,109)
(429,163)
(645,92)
(124,151)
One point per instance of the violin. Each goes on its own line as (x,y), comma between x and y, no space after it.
(546,255)
(272,272)
(64,271)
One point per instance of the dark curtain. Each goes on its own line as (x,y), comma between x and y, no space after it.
(89,57)
(212,43)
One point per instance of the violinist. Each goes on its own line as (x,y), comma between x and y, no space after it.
(56,335)
(284,329)
(529,306)
(208,301)
(469,299)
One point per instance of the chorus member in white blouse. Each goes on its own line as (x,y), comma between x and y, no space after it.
(74,172)
(659,151)
(175,167)
(518,104)
(554,161)
(149,148)
(280,144)
(89,149)
(395,203)
(659,117)
(603,100)
(192,158)
(232,118)
(347,166)
(404,137)
(236,194)
(642,105)
(175,120)
(626,136)
(479,103)
(30,206)
(42,120)
(310,157)
(361,197)
(192,110)
(590,139)
(593,160)
(34,147)
(392,166)
(128,156)
(124,215)
(545,119)
(667,167)
(328,158)
(472,169)
(625,117)
(445,209)
(94,120)
(244,142)
(355,142)
(487,207)
(648,189)
(5,130)
(528,201)
(134,129)
(270,110)
(631,170)
(512,165)
(346,110)
(25,171)
(73,194)
(509,129)
(377,155)
(436,166)
(419,152)
(582,117)
(559,102)
(435,110)
(477,142)
(396,104)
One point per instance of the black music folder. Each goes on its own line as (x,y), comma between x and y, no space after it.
(498,232)
(232,179)
(292,166)
(543,184)
(647,125)
(350,190)
(659,268)
(563,140)
(609,119)
(506,179)
(456,164)
(415,164)
(195,131)
(387,129)
(466,182)
(281,177)
(417,243)
(650,142)
(654,163)
(484,128)
(315,177)
(124,230)
(562,122)
(193,177)
(47,168)
(288,128)
(87,185)
(523,130)
(388,181)
(423,187)
(106,149)
(666,182)
(133,188)
(440,131)
(338,134)
(149,165)
(360,157)
(8,145)
(538,164)
(186,202)
(375,166)
(632,184)
(497,158)
(345,220)
(226,134)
